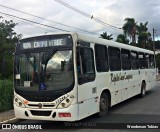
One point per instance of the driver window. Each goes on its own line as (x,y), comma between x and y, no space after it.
(85,65)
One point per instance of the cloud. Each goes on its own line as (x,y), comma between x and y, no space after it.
(112,12)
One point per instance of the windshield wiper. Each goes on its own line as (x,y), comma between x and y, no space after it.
(45,60)
(28,56)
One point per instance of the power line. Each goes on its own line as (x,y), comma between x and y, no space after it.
(46,19)
(30,24)
(33,22)
(85,14)
(73,8)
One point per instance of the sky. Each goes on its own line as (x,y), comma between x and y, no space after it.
(112,12)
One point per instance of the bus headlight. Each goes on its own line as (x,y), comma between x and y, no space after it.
(18,102)
(66,102)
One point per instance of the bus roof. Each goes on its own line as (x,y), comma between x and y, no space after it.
(112,43)
(92,39)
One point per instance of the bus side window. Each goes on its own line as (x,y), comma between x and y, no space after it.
(147,60)
(85,65)
(101,56)
(79,65)
(151,61)
(134,60)
(142,60)
(114,59)
(125,57)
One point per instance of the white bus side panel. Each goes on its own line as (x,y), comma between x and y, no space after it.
(135,83)
(114,86)
(152,77)
(87,99)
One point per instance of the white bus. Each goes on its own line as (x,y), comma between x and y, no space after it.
(70,76)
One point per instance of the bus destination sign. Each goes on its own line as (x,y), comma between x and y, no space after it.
(44,43)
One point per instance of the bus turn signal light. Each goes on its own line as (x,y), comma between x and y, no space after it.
(64,115)
(25,102)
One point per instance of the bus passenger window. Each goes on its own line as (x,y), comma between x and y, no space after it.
(142,61)
(151,61)
(147,60)
(78,63)
(126,62)
(134,60)
(85,65)
(114,59)
(101,58)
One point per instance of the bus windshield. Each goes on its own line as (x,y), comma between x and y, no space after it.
(44,71)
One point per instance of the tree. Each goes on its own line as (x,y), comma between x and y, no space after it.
(104,35)
(144,40)
(129,29)
(144,37)
(8,40)
(142,27)
(122,39)
(157,45)
(158,61)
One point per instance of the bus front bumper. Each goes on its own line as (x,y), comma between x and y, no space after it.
(65,114)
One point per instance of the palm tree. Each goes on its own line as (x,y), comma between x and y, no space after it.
(122,39)
(144,37)
(129,28)
(105,36)
(142,27)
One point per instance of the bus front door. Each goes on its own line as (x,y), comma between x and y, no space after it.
(87,90)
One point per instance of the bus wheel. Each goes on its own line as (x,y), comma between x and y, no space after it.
(143,89)
(103,105)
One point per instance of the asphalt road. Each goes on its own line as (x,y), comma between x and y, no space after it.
(135,110)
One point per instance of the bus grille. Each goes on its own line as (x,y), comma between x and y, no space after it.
(36,105)
(40,113)
(40,98)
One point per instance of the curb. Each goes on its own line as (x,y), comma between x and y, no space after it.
(13,120)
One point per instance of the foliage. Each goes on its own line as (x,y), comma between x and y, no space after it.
(129,28)
(142,27)
(104,35)
(144,37)
(8,41)
(122,39)
(158,61)
(6,95)
(157,44)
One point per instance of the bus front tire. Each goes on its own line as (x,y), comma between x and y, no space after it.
(143,89)
(103,105)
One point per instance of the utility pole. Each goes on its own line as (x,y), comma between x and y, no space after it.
(153,42)
(154,50)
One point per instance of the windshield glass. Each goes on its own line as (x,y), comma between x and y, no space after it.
(44,71)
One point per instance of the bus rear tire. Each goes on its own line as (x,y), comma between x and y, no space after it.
(143,89)
(103,105)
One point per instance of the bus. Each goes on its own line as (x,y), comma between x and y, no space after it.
(70,76)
